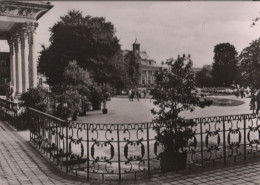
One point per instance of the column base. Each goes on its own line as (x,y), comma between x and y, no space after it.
(17,95)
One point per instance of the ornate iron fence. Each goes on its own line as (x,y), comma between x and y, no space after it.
(131,150)
(123,150)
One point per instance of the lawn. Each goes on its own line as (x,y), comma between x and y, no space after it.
(225,102)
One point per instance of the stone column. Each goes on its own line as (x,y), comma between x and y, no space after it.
(12,64)
(18,64)
(32,60)
(24,60)
(146,79)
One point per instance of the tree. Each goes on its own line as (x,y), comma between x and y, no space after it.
(133,68)
(174,92)
(124,71)
(225,64)
(69,103)
(89,40)
(78,84)
(174,89)
(204,77)
(75,75)
(249,60)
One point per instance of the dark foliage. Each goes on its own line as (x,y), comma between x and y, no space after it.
(204,77)
(89,40)
(225,65)
(174,92)
(250,67)
(35,98)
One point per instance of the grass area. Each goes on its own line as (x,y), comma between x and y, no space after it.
(225,102)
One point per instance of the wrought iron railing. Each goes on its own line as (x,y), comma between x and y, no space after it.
(124,150)
(131,150)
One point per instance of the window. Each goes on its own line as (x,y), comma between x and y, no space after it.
(143,79)
(3,63)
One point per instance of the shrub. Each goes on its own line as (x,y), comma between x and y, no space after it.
(68,103)
(35,98)
(175,91)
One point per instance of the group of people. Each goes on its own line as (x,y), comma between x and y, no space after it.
(135,93)
(255,102)
(240,92)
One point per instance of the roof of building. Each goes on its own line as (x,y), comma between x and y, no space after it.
(35,2)
(146,67)
(143,55)
(196,69)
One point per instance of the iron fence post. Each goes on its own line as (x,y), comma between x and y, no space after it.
(201,141)
(50,138)
(88,151)
(244,137)
(30,125)
(148,150)
(224,140)
(57,142)
(35,127)
(118,147)
(67,145)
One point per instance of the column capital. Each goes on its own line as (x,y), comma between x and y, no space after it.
(31,27)
(16,42)
(11,45)
(23,36)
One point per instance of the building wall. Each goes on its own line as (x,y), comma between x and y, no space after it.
(147,66)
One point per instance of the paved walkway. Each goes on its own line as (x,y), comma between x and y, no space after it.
(21,163)
(121,110)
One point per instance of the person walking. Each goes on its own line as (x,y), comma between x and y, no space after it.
(242,92)
(258,101)
(252,103)
(129,94)
(138,94)
(237,92)
(144,94)
(132,95)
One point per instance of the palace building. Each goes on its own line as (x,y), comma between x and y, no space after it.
(18,23)
(148,66)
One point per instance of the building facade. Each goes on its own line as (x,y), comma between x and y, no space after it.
(148,67)
(18,23)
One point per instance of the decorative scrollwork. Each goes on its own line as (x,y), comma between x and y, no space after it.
(134,157)
(101,156)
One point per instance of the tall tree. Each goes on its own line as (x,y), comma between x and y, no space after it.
(124,70)
(174,89)
(204,77)
(174,92)
(89,40)
(225,64)
(133,68)
(249,60)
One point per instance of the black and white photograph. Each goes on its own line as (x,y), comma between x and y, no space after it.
(129,92)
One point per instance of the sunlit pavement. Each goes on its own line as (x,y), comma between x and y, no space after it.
(121,110)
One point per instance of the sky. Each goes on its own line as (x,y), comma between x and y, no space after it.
(166,29)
